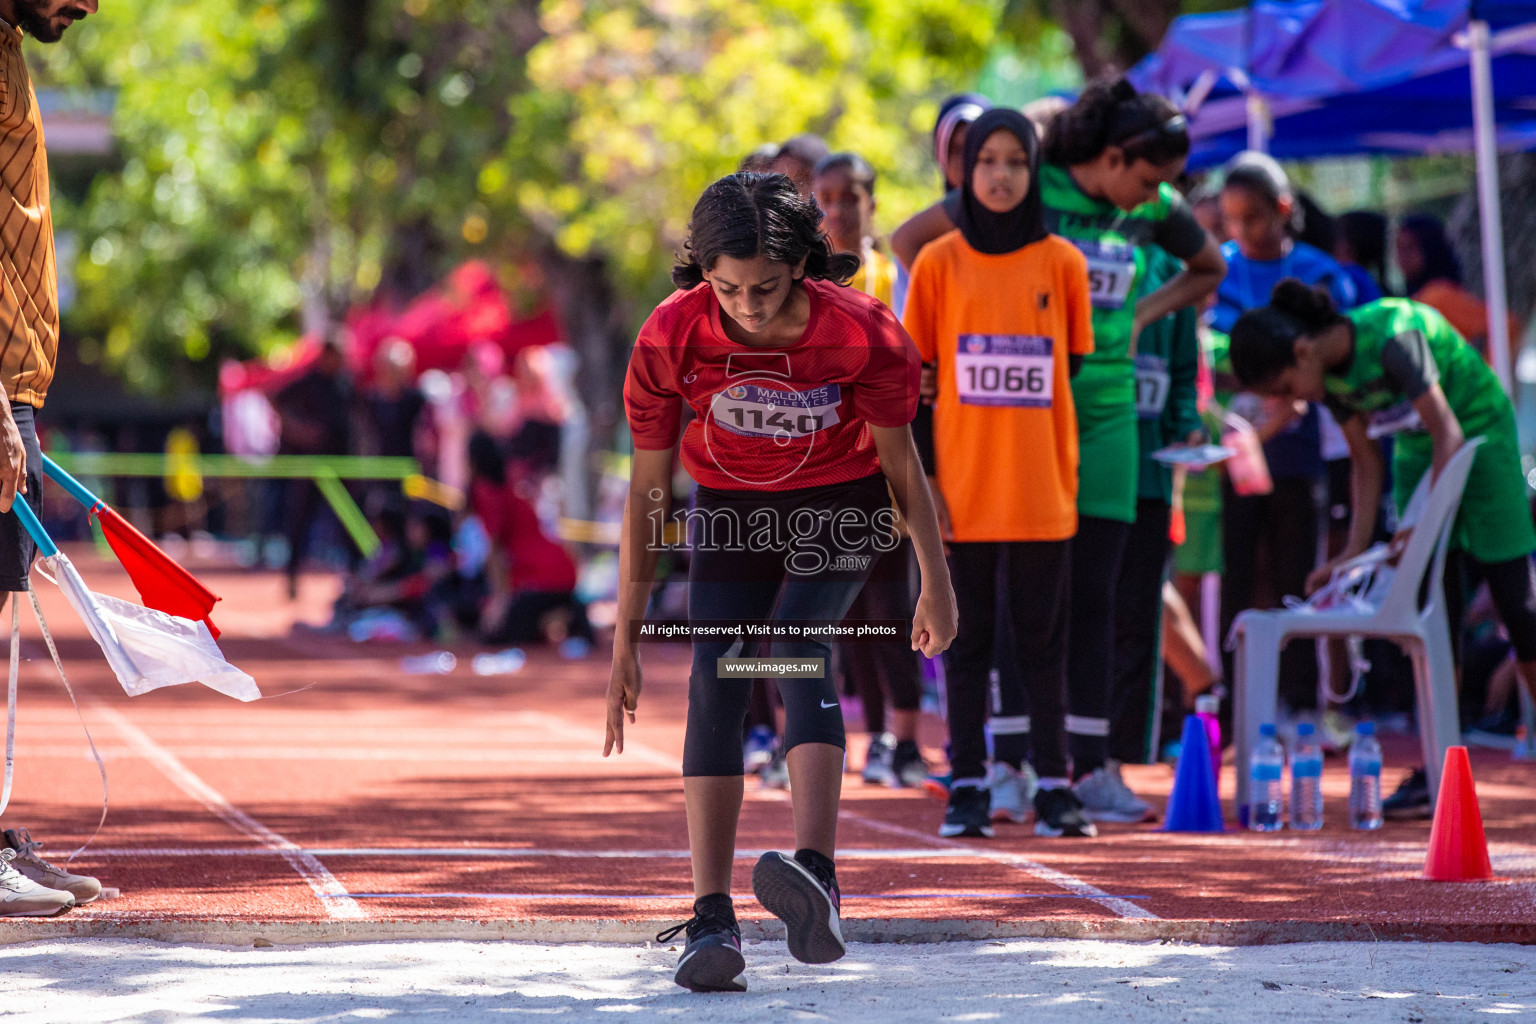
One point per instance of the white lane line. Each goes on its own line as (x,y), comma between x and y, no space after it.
(403,754)
(592,739)
(1049,875)
(333,895)
(1125,908)
(508,853)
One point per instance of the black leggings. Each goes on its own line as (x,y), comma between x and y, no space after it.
(1511,585)
(728,584)
(1036,578)
(880,669)
(1137,699)
(1284,523)
(1097,551)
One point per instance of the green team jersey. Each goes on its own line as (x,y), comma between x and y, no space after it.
(1117,245)
(1401,350)
(1167,362)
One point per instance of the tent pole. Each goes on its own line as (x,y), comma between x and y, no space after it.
(1258,122)
(1485,134)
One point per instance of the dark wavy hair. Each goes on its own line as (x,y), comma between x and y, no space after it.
(1264,339)
(1112,113)
(1440,259)
(746,215)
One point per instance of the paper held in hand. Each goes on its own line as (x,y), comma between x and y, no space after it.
(1197,456)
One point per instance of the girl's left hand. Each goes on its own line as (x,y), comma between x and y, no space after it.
(936,621)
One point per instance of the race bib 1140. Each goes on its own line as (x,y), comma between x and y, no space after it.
(754,411)
(1016,370)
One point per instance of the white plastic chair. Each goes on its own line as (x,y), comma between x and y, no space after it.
(1390,609)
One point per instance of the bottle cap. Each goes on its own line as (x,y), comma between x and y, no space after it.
(1365,729)
(1207,704)
(1305,729)
(1267,729)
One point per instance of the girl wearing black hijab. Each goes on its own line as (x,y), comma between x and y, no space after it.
(1002,308)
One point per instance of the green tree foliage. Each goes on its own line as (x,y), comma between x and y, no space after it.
(637,106)
(280,161)
(1107,35)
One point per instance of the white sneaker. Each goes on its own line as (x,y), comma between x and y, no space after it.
(1013,791)
(1106,797)
(22,897)
(30,863)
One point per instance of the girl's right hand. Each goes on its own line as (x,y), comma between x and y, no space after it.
(935,620)
(623,698)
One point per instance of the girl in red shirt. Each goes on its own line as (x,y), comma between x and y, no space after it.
(802,392)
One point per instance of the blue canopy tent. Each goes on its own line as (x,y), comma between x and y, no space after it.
(1312,78)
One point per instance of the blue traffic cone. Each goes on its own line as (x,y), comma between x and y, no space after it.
(1194,805)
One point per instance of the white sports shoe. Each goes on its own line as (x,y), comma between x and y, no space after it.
(29,862)
(1106,797)
(22,897)
(1012,790)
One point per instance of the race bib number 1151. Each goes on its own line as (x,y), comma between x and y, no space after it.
(1005,369)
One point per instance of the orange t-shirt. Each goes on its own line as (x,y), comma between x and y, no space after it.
(1466,312)
(1000,329)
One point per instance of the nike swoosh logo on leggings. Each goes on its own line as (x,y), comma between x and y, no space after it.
(826,705)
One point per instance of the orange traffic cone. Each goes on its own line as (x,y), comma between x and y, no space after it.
(1458,850)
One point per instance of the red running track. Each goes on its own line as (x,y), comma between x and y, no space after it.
(377,803)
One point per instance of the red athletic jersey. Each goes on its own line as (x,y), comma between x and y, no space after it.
(537,563)
(772,419)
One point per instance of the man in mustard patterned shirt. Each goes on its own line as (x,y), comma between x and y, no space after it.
(29,345)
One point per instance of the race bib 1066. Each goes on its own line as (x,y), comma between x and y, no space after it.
(1006,369)
(1152,382)
(754,411)
(1111,271)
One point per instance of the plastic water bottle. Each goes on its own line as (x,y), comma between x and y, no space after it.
(1307,780)
(1265,790)
(504,663)
(438,663)
(1365,779)
(574,648)
(1207,707)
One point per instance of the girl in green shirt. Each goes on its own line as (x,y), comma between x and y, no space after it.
(1397,367)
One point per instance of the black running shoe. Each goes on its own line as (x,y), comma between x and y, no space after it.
(908,769)
(711,960)
(969,813)
(1058,812)
(1411,801)
(806,899)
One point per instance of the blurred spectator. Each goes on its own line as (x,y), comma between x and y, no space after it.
(1432,275)
(398,591)
(539,414)
(1313,224)
(394,403)
(798,158)
(1360,246)
(315,413)
(845,189)
(532,578)
(760,160)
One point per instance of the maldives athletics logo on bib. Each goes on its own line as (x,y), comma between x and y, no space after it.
(765,411)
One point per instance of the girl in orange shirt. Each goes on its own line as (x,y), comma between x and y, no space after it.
(1003,308)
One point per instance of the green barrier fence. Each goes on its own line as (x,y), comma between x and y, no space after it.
(327,471)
